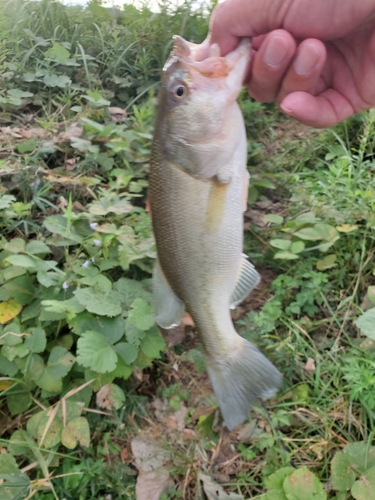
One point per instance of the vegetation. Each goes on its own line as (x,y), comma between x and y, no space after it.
(95,402)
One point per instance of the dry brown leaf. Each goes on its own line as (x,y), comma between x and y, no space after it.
(14,132)
(62,202)
(214,491)
(188,434)
(310,365)
(78,206)
(148,455)
(72,132)
(263,204)
(70,164)
(171,422)
(118,115)
(37,132)
(150,485)
(256,217)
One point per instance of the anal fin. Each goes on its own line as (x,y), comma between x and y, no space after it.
(248,278)
(169,309)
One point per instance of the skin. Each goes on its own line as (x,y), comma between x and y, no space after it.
(315,58)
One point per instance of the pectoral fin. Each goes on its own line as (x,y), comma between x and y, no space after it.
(169,309)
(248,279)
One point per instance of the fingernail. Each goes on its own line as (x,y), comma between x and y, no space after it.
(286,110)
(276,51)
(306,60)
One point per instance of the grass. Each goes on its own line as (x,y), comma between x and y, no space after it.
(75,263)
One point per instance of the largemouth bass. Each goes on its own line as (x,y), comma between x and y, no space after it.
(198,192)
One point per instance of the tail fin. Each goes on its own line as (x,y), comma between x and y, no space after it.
(240,380)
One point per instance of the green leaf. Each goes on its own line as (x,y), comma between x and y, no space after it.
(36,247)
(129,290)
(21,288)
(36,342)
(49,383)
(371,294)
(127,351)
(19,401)
(76,431)
(7,368)
(110,397)
(13,272)
(12,352)
(34,367)
(364,488)
(60,362)
(107,304)
(276,480)
(366,324)
(112,329)
(58,53)
(141,314)
(95,352)
(153,343)
(134,335)
(48,278)
(297,247)
(11,335)
(303,485)
(53,435)
(18,443)
(16,245)
(27,146)
(342,473)
(122,370)
(13,483)
(360,455)
(275,219)
(285,256)
(281,244)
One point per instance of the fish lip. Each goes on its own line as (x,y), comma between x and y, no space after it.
(213,66)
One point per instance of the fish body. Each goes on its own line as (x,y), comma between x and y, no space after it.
(198,184)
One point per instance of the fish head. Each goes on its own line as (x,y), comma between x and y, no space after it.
(196,97)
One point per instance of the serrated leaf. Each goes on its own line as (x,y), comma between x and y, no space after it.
(364,488)
(141,314)
(36,342)
(58,53)
(110,397)
(98,303)
(134,335)
(129,290)
(76,431)
(127,351)
(12,352)
(366,324)
(303,485)
(95,352)
(153,343)
(112,329)
(342,473)
(9,310)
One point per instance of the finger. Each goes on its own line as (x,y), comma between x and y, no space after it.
(325,110)
(269,65)
(303,75)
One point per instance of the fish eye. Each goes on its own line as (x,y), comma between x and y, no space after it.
(179,91)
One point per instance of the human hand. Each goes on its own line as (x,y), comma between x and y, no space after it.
(315,58)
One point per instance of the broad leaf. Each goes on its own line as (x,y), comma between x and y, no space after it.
(95,352)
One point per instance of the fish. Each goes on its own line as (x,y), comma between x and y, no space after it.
(198,187)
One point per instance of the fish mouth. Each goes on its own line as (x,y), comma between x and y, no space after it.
(234,64)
